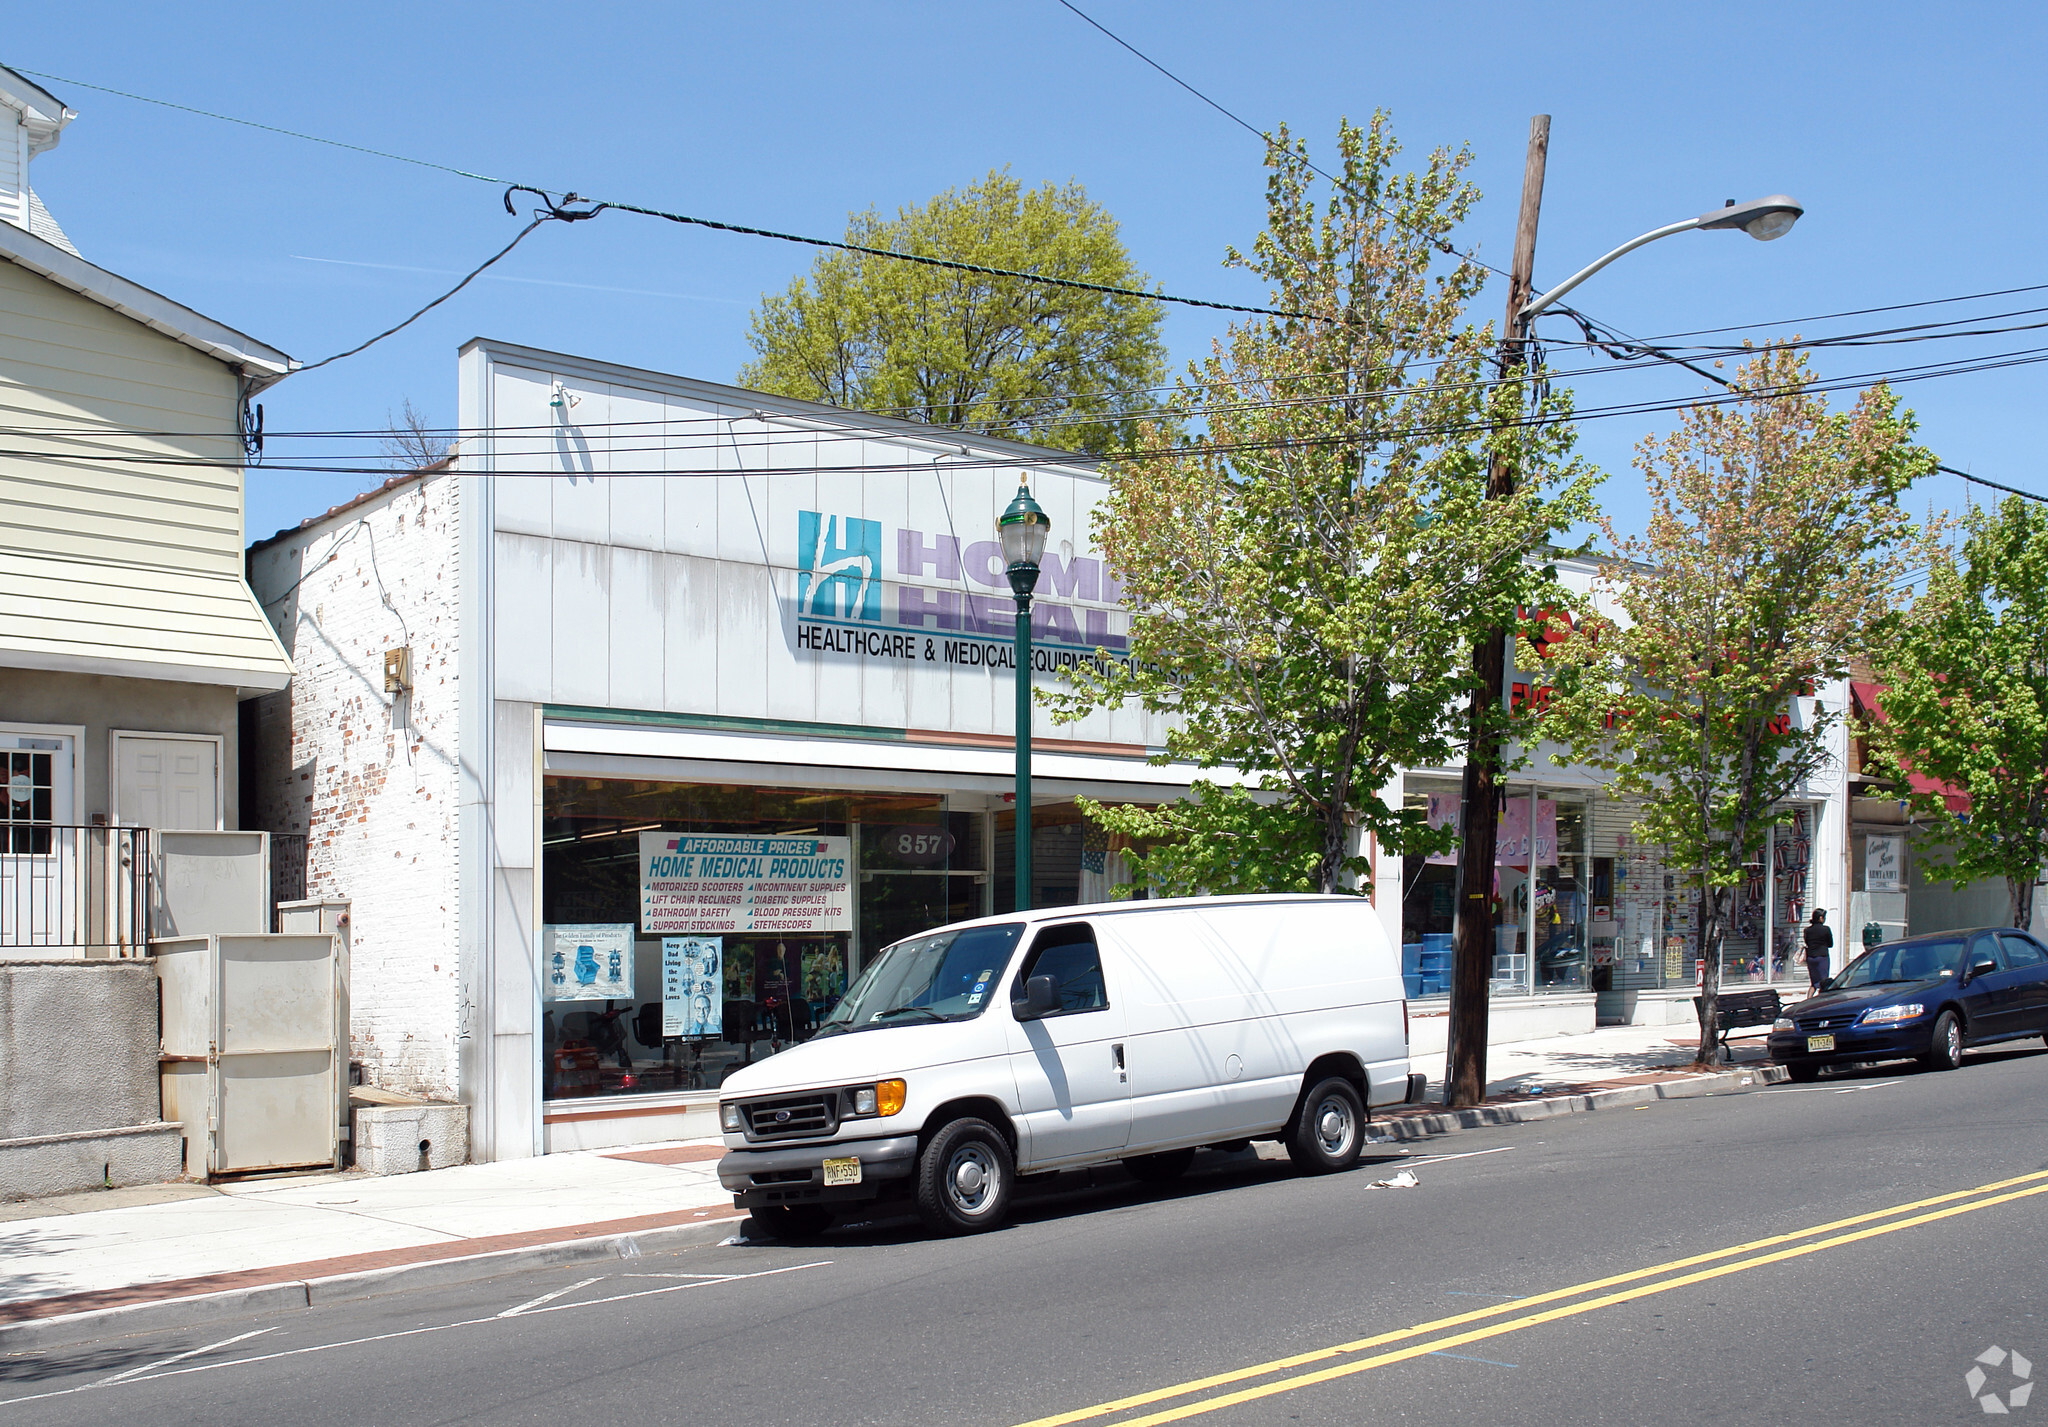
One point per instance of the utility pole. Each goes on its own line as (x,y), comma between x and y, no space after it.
(1472,956)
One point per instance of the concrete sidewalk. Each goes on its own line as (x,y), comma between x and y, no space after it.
(94,1252)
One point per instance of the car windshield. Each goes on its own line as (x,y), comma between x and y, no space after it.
(948,976)
(1902,961)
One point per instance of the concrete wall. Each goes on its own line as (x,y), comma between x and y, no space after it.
(369,777)
(78,1078)
(104,703)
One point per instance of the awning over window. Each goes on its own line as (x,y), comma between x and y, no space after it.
(1869,699)
(137,622)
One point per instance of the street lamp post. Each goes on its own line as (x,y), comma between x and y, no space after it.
(1022,528)
(1471,961)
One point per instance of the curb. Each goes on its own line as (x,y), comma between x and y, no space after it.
(1418,1127)
(307,1292)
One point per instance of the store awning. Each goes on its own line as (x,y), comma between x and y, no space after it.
(137,622)
(1869,699)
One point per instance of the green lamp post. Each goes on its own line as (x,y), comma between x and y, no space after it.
(1022,528)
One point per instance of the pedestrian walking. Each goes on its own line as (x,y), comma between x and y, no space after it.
(1820,944)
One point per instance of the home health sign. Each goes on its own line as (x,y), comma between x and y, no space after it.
(708,883)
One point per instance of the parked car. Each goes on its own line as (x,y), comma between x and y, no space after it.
(1928,997)
(1138,1031)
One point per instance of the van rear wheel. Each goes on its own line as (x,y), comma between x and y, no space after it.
(1330,1130)
(1160,1168)
(964,1178)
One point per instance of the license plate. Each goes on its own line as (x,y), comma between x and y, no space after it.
(842,1171)
(1814,1045)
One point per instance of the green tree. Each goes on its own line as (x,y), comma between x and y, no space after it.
(1307,570)
(1968,701)
(1056,365)
(1775,545)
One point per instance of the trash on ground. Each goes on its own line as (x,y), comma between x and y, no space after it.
(1404,1180)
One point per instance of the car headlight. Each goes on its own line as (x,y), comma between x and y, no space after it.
(884,1097)
(729,1117)
(1889,1015)
(1783,1023)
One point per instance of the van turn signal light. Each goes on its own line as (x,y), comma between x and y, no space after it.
(889,1096)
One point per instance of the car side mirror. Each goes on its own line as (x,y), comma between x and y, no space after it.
(1982,966)
(1041,999)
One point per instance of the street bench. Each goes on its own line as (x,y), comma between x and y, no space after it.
(1741,1008)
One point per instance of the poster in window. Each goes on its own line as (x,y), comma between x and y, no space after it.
(588,961)
(692,991)
(1884,862)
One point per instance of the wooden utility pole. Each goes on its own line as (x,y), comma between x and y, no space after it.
(1472,958)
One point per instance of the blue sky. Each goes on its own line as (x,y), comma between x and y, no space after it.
(1912,142)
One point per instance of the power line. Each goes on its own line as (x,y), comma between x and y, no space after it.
(1441,246)
(267,128)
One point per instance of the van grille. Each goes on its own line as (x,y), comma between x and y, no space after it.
(790,1116)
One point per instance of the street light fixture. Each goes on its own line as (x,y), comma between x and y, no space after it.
(1022,528)
(1465,1061)
(1762,218)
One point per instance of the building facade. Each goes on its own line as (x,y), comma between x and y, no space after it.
(128,634)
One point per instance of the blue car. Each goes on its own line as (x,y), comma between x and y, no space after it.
(1926,998)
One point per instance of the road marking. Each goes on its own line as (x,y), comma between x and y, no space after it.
(1468,1154)
(1576,1291)
(127,1381)
(180,1357)
(1466,1358)
(549,1297)
(1851,1090)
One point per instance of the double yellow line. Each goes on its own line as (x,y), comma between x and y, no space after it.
(1604,1293)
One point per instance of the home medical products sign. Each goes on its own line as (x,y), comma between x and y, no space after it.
(589,962)
(692,998)
(710,883)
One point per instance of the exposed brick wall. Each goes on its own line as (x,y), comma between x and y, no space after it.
(370,778)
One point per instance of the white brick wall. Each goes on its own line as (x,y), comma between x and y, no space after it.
(370,777)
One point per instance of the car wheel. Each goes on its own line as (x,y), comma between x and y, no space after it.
(1330,1130)
(964,1178)
(1945,1051)
(1160,1168)
(793,1221)
(1803,1072)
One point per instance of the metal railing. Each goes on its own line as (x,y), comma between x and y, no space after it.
(74,891)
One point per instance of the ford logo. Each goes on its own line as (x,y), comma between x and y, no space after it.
(782,1117)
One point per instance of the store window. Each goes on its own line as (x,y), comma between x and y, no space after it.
(689,929)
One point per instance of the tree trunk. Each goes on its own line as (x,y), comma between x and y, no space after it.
(1710,970)
(1330,871)
(2021,891)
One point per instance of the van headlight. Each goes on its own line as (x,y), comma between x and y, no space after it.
(883,1098)
(729,1117)
(1889,1015)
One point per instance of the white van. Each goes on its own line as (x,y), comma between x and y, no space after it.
(1133,1031)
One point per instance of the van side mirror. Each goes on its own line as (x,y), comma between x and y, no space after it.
(1982,966)
(1041,999)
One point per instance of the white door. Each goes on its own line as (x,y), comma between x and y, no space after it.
(167,782)
(38,852)
(1071,1082)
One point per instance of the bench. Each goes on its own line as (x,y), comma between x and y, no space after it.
(1742,1008)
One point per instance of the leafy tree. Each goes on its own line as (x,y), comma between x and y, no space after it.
(1775,543)
(956,348)
(1306,573)
(1968,701)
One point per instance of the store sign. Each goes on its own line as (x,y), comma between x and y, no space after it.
(692,993)
(738,883)
(1884,863)
(589,962)
(948,603)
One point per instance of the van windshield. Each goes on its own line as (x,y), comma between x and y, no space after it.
(948,976)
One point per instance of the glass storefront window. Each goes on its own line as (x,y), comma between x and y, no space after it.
(617,996)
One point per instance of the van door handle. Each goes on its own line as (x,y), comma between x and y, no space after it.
(1116,1058)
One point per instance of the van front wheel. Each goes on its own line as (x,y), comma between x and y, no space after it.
(1330,1131)
(964,1178)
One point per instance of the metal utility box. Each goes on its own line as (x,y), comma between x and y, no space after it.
(252,1061)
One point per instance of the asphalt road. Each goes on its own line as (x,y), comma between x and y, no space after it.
(1683,1262)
